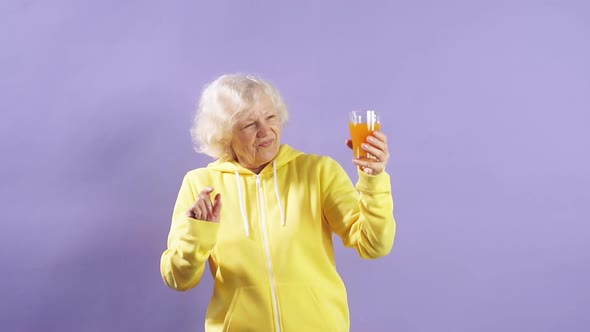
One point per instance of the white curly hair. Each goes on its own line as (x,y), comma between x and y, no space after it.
(221,103)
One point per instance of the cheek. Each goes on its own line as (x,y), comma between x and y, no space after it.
(243,139)
(246,142)
(277,131)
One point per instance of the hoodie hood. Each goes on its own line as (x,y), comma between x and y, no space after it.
(283,157)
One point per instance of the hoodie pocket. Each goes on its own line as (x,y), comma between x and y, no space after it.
(301,309)
(249,310)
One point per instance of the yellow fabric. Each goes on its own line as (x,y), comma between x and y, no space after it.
(288,283)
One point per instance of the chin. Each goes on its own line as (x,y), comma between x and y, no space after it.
(271,152)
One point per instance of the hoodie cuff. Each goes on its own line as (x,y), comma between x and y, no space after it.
(204,231)
(373,183)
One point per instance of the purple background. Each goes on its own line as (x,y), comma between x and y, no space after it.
(485,104)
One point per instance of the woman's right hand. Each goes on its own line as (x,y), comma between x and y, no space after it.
(204,209)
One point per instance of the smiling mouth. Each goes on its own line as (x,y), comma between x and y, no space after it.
(265,144)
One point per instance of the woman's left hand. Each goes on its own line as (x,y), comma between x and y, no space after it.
(376,146)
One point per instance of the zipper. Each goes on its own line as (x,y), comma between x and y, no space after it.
(273,290)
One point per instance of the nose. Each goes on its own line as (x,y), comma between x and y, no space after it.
(262,130)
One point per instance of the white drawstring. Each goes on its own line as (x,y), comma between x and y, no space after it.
(242,209)
(274,171)
(241,198)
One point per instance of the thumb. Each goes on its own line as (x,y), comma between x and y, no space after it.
(348,143)
(217,207)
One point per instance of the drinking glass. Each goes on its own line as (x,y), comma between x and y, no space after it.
(361,125)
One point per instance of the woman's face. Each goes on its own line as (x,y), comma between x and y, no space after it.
(256,136)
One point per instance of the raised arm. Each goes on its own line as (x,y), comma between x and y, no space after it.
(192,237)
(361,216)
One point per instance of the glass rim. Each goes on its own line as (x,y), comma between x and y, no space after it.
(363,111)
(360,116)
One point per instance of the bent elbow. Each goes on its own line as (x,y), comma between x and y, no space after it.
(377,252)
(175,278)
(381,247)
(174,283)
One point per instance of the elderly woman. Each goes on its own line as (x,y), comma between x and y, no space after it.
(263,215)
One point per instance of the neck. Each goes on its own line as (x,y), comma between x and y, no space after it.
(258,169)
(255,170)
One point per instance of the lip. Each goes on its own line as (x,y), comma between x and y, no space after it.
(265,144)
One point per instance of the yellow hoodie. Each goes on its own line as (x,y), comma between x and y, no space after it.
(271,254)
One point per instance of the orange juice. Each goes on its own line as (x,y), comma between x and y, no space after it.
(358,134)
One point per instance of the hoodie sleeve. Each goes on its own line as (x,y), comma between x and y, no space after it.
(190,243)
(362,217)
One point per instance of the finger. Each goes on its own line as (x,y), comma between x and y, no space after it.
(204,195)
(367,163)
(217,207)
(206,190)
(201,209)
(368,170)
(378,153)
(199,212)
(377,142)
(375,166)
(380,135)
(193,210)
(348,143)
(190,213)
(207,206)
(193,213)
